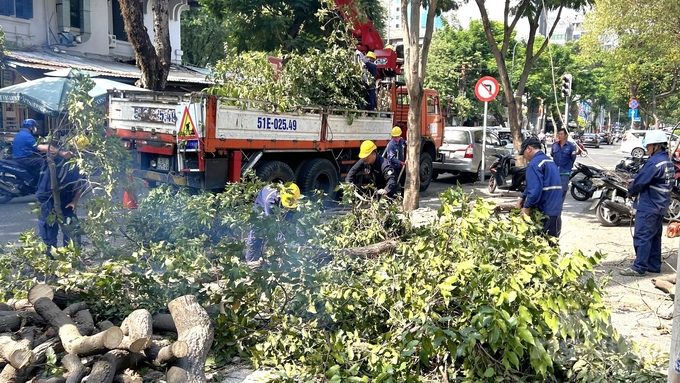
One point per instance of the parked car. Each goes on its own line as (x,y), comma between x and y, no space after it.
(590,139)
(461,152)
(631,143)
(504,134)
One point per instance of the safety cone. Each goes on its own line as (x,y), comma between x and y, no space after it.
(129,200)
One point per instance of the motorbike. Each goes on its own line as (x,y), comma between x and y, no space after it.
(501,169)
(582,189)
(610,201)
(630,165)
(15,181)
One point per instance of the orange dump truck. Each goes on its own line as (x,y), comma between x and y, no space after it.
(204,141)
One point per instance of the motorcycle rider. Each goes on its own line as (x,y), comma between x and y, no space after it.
(376,169)
(651,188)
(27,154)
(543,189)
(564,154)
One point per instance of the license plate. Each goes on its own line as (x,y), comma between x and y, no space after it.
(163,163)
(597,194)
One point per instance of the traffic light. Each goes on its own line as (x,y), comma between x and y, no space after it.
(566,85)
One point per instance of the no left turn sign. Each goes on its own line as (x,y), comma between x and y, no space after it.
(486,89)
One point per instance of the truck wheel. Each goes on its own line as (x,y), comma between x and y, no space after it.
(425,171)
(274,171)
(318,174)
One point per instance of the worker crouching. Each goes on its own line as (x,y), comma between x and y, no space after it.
(373,169)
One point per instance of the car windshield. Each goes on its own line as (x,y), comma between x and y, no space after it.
(456,137)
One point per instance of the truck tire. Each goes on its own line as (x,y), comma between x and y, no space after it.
(318,174)
(274,171)
(426,171)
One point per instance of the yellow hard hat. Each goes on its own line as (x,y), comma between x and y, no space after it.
(389,47)
(371,55)
(290,193)
(396,131)
(367,147)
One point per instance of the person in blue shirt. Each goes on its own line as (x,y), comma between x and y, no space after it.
(564,154)
(544,189)
(395,151)
(285,196)
(651,187)
(71,187)
(25,152)
(370,76)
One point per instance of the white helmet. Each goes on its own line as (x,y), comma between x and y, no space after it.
(655,137)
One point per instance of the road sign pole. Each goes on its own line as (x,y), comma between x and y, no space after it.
(486,110)
(566,111)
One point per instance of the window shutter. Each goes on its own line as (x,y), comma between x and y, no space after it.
(7,7)
(25,9)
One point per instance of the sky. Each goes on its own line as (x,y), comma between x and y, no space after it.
(470,11)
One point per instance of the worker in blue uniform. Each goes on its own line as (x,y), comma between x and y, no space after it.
(396,151)
(285,196)
(72,185)
(373,169)
(370,76)
(564,154)
(544,189)
(651,187)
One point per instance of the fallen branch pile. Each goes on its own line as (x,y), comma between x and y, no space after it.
(101,352)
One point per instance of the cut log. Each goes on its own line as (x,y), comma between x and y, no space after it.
(12,373)
(123,378)
(161,354)
(51,379)
(63,300)
(9,321)
(39,291)
(105,369)
(664,286)
(504,207)
(5,307)
(18,354)
(73,309)
(105,325)
(19,304)
(84,322)
(195,328)
(371,251)
(76,370)
(73,341)
(137,330)
(667,277)
(163,323)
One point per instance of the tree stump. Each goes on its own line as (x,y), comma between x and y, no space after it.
(193,327)
(73,341)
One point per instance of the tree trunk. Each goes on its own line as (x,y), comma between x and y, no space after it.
(194,328)
(154,63)
(73,341)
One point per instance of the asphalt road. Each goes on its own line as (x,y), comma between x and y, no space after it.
(17,217)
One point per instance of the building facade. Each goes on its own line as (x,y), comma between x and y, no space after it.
(46,35)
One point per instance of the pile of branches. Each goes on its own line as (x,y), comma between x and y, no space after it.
(45,326)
